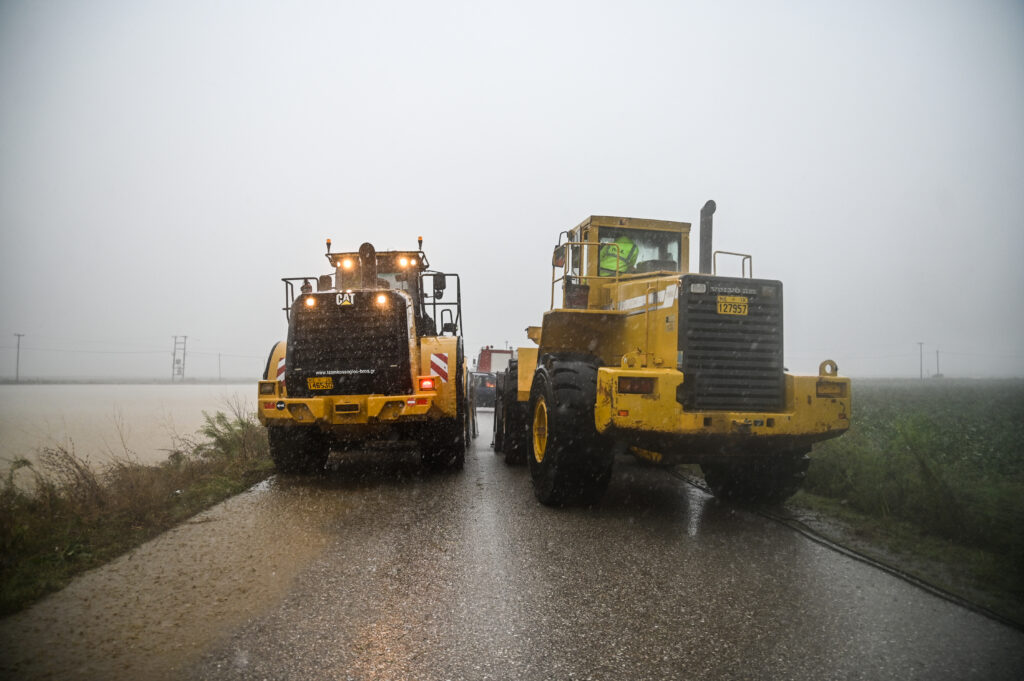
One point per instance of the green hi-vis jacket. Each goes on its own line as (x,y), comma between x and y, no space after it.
(621,259)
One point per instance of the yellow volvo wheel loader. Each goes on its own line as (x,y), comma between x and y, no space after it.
(643,356)
(373,353)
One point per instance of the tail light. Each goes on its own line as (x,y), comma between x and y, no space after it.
(636,385)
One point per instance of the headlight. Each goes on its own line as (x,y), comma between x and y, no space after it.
(310,301)
(347,264)
(382,299)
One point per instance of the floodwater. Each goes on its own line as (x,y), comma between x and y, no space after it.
(100,421)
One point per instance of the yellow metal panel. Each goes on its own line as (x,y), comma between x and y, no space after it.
(635,223)
(805,413)
(527,365)
(368,408)
(446,393)
(595,332)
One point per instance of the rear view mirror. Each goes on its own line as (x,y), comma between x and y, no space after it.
(440,284)
(558,257)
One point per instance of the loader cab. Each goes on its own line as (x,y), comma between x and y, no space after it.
(437,296)
(586,259)
(388,270)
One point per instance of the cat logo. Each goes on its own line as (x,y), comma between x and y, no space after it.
(345,298)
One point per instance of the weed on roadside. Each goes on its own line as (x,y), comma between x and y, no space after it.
(63,515)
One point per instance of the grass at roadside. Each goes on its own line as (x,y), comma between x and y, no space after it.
(936,469)
(69,516)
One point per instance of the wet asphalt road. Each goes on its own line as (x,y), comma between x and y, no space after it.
(381,571)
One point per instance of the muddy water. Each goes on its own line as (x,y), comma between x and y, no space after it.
(100,421)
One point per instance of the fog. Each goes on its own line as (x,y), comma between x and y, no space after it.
(164,164)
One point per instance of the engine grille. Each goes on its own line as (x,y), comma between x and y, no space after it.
(362,347)
(731,361)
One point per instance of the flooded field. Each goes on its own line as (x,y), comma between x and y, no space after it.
(99,421)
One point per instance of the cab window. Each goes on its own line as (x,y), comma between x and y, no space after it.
(655,250)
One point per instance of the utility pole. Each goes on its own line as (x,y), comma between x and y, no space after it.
(920,347)
(178,358)
(17,359)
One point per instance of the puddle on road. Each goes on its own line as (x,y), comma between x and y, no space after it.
(153,610)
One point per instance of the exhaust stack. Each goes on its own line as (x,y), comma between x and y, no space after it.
(368,265)
(705,236)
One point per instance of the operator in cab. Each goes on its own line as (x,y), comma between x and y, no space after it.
(621,259)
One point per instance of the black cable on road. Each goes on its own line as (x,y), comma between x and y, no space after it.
(817,538)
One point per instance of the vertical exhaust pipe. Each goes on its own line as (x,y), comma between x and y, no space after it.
(705,236)
(368,265)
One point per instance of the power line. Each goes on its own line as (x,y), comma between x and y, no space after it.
(225,354)
(130,352)
(98,352)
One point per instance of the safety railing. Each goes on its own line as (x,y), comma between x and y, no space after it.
(746,261)
(576,285)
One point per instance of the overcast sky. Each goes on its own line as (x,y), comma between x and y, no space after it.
(164,164)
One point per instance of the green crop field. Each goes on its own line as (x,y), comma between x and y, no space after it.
(946,455)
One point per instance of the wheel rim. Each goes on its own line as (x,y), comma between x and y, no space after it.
(540,430)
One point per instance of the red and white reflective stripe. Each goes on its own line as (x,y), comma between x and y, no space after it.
(280,369)
(439,366)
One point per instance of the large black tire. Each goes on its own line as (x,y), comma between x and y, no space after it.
(511,429)
(514,423)
(443,446)
(498,431)
(762,480)
(299,449)
(569,462)
(517,433)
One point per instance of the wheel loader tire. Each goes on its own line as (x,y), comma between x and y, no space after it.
(498,435)
(443,446)
(297,450)
(515,425)
(765,480)
(517,434)
(569,462)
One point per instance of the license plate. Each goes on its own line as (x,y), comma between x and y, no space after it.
(732,305)
(320,383)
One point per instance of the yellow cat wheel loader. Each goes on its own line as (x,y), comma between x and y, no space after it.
(374,353)
(671,366)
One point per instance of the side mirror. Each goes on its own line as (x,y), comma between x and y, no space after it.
(440,284)
(558,257)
